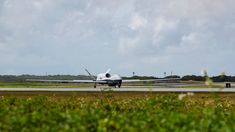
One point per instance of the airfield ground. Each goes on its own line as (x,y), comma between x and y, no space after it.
(189,84)
(118,112)
(111,111)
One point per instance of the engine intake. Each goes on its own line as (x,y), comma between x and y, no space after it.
(107,75)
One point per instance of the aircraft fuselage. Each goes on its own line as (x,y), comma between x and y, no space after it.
(110,80)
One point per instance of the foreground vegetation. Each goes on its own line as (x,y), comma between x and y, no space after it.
(111,112)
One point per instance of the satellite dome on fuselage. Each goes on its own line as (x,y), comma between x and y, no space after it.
(108,76)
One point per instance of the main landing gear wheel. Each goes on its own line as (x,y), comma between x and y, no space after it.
(119,85)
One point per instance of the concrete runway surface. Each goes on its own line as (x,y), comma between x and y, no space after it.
(200,90)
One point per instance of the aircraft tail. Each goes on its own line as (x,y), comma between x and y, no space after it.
(108,71)
(92,77)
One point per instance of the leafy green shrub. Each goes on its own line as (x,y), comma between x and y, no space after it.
(109,113)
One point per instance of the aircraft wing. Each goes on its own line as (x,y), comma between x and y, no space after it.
(65,81)
(150,80)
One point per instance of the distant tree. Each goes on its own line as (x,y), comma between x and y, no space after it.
(193,78)
(173,76)
(140,77)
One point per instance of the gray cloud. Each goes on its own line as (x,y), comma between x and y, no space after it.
(179,32)
(62,37)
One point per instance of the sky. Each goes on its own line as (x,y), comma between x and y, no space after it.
(148,37)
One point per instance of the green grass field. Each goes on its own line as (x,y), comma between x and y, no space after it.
(42,85)
(118,112)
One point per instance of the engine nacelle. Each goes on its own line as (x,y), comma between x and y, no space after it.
(107,75)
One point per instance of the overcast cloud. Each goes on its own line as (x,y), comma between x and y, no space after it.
(148,37)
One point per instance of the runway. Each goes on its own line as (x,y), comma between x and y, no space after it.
(178,90)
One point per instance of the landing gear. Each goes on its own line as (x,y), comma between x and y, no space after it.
(95,85)
(119,85)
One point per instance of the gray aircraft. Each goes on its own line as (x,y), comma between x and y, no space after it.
(103,78)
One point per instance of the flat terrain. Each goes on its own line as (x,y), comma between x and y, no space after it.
(118,112)
(131,89)
(183,84)
(71,88)
(73,107)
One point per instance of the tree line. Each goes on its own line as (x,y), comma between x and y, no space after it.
(220,78)
(22,78)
